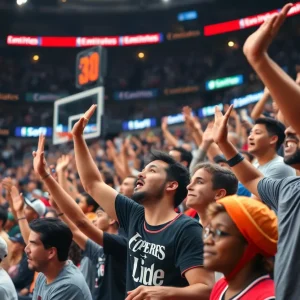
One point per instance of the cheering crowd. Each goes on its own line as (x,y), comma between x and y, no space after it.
(212,216)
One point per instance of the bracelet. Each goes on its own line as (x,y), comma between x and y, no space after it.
(61,214)
(235,160)
(46,176)
(23,218)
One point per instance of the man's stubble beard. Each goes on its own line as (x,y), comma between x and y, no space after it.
(143,197)
(293,159)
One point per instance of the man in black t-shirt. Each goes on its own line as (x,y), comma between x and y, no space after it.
(165,249)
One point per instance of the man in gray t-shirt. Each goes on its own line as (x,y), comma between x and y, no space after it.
(47,251)
(69,284)
(265,138)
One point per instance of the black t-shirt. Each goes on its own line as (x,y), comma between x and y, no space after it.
(110,263)
(158,255)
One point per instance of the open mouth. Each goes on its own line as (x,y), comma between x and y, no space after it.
(139,184)
(290,145)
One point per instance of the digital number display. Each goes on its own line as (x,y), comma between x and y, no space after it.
(90,68)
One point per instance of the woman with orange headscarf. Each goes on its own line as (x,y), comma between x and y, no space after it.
(240,242)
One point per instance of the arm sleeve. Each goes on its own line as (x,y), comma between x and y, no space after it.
(93,251)
(115,245)
(68,291)
(189,247)
(125,208)
(268,190)
(280,170)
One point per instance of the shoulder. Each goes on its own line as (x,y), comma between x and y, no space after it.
(265,289)
(218,288)
(123,200)
(184,222)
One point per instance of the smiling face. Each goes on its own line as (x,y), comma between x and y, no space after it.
(222,253)
(292,148)
(200,190)
(259,140)
(151,182)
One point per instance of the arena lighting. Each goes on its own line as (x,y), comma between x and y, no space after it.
(21,2)
(35,57)
(230,44)
(141,55)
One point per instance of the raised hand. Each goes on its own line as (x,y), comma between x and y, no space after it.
(79,126)
(17,199)
(220,130)
(62,163)
(257,44)
(208,133)
(39,161)
(7,184)
(111,150)
(164,124)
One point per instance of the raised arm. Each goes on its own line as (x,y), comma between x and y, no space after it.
(64,201)
(170,138)
(18,206)
(89,174)
(259,107)
(283,89)
(244,171)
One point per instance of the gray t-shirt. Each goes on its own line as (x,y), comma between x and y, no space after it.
(69,284)
(7,288)
(88,271)
(283,196)
(275,168)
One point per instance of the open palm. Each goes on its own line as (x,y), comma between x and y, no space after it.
(17,199)
(79,126)
(219,130)
(257,44)
(39,161)
(62,163)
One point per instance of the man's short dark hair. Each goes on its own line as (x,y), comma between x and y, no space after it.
(273,127)
(54,233)
(90,201)
(3,216)
(185,155)
(222,178)
(175,172)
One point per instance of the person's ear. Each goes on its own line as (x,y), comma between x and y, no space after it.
(221,193)
(171,186)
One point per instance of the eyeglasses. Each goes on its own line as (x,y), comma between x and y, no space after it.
(216,234)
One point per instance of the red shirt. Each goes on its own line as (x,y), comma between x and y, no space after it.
(262,288)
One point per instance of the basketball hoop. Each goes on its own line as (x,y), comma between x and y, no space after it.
(65,135)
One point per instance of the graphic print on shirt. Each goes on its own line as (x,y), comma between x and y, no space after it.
(100,267)
(146,257)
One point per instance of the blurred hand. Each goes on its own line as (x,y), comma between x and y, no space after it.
(39,161)
(208,133)
(79,126)
(246,124)
(62,163)
(257,44)
(220,130)
(164,124)
(111,150)
(7,184)
(17,199)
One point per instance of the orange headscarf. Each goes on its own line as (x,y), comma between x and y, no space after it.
(257,223)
